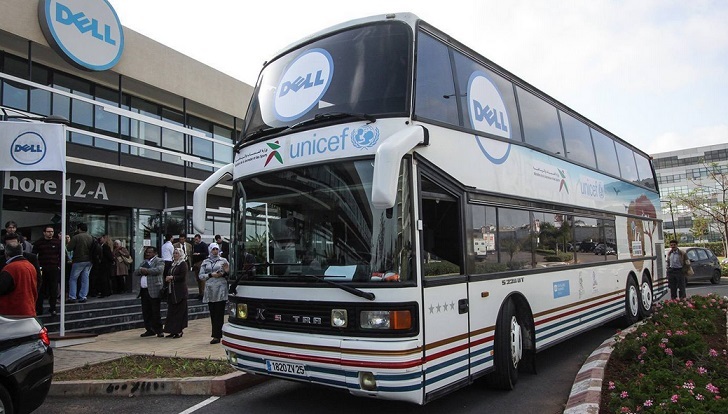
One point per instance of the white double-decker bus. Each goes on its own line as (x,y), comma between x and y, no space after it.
(373,154)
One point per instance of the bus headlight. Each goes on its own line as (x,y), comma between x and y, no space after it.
(386,319)
(241,311)
(339,318)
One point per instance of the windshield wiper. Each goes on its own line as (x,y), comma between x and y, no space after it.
(352,290)
(259,133)
(335,115)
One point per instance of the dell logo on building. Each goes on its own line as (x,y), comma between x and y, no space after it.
(28,148)
(303,84)
(87,33)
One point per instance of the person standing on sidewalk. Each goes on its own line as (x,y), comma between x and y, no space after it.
(48,250)
(199,253)
(176,285)
(150,272)
(80,247)
(167,252)
(214,270)
(678,263)
(18,281)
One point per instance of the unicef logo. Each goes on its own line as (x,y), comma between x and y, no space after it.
(28,148)
(303,84)
(365,136)
(488,114)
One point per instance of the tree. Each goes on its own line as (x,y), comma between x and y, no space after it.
(708,198)
(700,227)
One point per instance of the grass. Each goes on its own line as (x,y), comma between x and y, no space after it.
(146,367)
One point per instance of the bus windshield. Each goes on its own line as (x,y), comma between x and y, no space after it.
(362,71)
(318,221)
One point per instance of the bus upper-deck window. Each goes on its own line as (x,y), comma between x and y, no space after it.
(435,90)
(501,115)
(578,140)
(606,154)
(626,163)
(540,123)
(644,170)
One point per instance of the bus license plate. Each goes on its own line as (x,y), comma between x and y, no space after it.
(285,368)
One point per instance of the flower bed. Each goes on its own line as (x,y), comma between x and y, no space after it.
(674,362)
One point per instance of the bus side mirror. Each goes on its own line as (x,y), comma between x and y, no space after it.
(387,161)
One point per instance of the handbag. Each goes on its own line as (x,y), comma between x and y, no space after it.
(127,259)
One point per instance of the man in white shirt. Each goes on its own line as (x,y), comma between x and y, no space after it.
(167,251)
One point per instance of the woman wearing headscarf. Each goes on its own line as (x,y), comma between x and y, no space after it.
(122,258)
(214,271)
(176,284)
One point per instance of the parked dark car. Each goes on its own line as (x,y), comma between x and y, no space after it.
(586,246)
(26,365)
(704,263)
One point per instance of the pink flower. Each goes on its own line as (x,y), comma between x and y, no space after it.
(668,351)
(712,388)
(702,371)
(644,334)
(647,403)
(624,394)
(674,398)
(689,364)
(662,345)
(713,353)
(611,385)
(699,397)
(689,385)
(643,349)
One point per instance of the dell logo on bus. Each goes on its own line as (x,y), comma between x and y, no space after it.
(303,84)
(488,114)
(28,148)
(87,33)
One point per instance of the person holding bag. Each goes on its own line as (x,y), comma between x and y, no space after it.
(176,288)
(678,267)
(214,271)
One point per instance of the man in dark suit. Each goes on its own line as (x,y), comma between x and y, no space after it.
(150,272)
(186,248)
(224,247)
(199,253)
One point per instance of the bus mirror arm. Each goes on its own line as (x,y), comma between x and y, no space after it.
(387,160)
(199,199)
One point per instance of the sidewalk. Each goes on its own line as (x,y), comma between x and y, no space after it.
(194,344)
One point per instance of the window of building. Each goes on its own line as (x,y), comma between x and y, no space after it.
(15,95)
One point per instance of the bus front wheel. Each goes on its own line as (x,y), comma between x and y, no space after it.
(508,347)
(632,301)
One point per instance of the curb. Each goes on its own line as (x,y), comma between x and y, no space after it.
(586,392)
(218,386)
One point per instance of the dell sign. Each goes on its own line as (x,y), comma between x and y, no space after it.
(87,33)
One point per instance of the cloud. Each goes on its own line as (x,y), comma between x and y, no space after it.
(672,141)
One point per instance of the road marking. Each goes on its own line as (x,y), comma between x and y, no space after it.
(200,405)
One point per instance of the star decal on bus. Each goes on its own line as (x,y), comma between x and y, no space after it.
(274,146)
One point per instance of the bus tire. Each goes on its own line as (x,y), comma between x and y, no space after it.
(631,301)
(646,298)
(6,403)
(508,347)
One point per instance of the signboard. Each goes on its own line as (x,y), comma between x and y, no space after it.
(86,33)
(26,146)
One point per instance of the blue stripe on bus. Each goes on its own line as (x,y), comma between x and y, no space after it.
(573,322)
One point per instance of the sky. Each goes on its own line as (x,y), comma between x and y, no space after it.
(653,72)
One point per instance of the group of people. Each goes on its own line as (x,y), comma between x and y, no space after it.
(165,276)
(31,273)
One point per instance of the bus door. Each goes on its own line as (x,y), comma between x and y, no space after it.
(445,297)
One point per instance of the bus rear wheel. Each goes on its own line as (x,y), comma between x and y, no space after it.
(645,298)
(508,347)
(632,301)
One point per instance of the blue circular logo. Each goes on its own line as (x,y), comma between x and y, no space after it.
(488,113)
(88,34)
(365,136)
(303,84)
(28,148)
